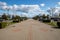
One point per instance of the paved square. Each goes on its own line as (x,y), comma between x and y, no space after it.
(30,30)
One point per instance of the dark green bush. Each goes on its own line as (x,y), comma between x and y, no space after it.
(58,24)
(46,20)
(3,24)
(21,19)
(16,21)
(36,17)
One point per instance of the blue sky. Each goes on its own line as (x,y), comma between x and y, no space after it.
(43,4)
(31,2)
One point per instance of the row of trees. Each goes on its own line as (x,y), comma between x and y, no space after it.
(47,19)
(43,16)
(12,17)
(9,19)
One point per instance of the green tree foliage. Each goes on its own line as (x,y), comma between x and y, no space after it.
(9,16)
(12,17)
(43,16)
(4,16)
(59,14)
(15,17)
(36,17)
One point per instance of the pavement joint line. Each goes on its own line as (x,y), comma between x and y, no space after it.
(30,33)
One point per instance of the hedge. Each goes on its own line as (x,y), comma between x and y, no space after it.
(3,24)
(46,20)
(58,24)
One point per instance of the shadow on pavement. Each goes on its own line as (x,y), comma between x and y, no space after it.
(56,27)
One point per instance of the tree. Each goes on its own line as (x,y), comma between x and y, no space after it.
(8,16)
(51,11)
(4,16)
(36,17)
(15,17)
(12,17)
(59,14)
(43,16)
(48,17)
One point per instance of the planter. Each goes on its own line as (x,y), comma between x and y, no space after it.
(58,23)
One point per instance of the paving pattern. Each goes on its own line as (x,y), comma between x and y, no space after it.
(30,30)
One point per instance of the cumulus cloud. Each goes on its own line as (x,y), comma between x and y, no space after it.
(15,7)
(31,10)
(28,10)
(4,7)
(2,3)
(58,3)
(11,7)
(42,4)
(55,11)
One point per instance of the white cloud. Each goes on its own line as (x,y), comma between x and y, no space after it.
(24,15)
(28,10)
(42,4)
(4,7)
(15,7)
(31,10)
(2,3)
(58,3)
(10,7)
(55,12)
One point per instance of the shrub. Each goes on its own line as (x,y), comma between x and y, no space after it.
(3,24)
(4,16)
(25,18)
(46,20)
(16,20)
(36,17)
(21,19)
(52,23)
(58,24)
